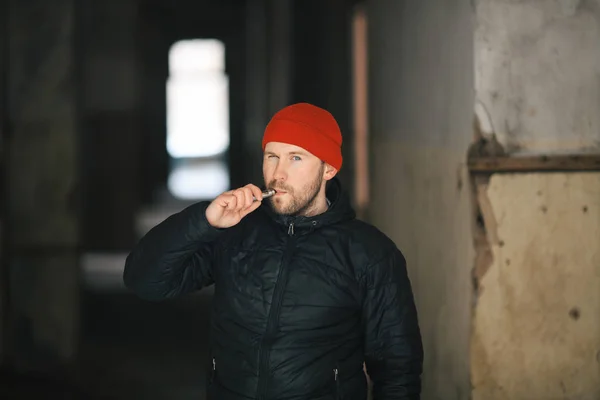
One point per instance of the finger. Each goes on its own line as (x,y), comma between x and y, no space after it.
(224,199)
(256,192)
(231,201)
(252,207)
(248,197)
(241,200)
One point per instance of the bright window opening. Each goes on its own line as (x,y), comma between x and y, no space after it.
(197,119)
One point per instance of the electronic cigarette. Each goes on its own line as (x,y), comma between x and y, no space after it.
(266,194)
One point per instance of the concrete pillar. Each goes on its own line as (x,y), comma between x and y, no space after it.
(153,71)
(536,331)
(111,125)
(3,190)
(322,66)
(268,73)
(527,327)
(42,182)
(256,90)
(280,30)
(242,166)
(537,73)
(420,113)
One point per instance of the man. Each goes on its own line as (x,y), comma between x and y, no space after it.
(304,292)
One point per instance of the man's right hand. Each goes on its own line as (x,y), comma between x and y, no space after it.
(230,207)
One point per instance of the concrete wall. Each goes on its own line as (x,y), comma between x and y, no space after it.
(41,183)
(268,76)
(538,72)
(3,133)
(535,327)
(420,111)
(111,138)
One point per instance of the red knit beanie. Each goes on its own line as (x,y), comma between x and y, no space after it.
(310,127)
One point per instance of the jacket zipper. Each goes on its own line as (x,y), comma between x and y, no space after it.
(214,371)
(336,378)
(273,322)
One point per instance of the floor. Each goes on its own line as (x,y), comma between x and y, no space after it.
(137,349)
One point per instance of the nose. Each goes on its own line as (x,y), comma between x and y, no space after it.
(280,173)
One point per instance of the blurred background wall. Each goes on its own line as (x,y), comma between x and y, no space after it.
(471,137)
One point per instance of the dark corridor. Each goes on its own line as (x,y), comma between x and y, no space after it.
(83,94)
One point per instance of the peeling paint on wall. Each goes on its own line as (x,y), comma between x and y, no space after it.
(481,226)
(485,235)
(536,331)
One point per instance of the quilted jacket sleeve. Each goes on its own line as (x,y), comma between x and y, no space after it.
(393,347)
(175,257)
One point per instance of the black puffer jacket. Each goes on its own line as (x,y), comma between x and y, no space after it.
(299,302)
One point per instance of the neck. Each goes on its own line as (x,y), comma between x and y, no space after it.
(319,205)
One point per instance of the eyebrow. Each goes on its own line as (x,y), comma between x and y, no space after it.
(291,153)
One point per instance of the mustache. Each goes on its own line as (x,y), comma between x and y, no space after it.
(279,187)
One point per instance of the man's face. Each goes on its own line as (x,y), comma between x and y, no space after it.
(296,174)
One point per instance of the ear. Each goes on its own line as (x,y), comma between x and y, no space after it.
(329,172)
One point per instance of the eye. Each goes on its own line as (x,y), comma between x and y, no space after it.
(296,158)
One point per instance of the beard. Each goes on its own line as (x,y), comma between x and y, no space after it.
(299,202)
